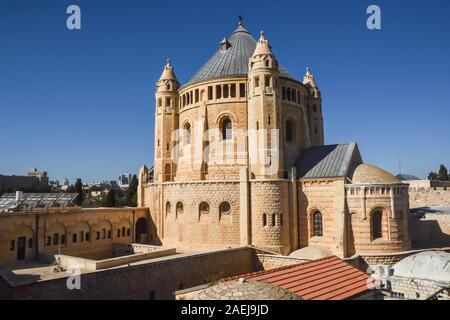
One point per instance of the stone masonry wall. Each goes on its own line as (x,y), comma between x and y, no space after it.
(422,197)
(268,261)
(105,227)
(326,197)
(180,221)
(417,289)
(270,215)
(157,279)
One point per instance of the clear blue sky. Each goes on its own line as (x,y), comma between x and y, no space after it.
(81,103)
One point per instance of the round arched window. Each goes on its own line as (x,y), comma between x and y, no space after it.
(317,224)
(204,208)
(377,231)
(290,131)
(225,208)
(179,208)
(187,133)
(227,129)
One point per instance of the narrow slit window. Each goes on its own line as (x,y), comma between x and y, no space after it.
(242,90)
(233,90)
(317,225)
(225,91)
(210,93)
(218,92)
(267,81)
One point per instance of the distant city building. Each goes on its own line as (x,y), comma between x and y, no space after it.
(415,182)
(54,185)
(35,180)
(427,184)
(25,201)
(110,184)
(124,180)
(405,177)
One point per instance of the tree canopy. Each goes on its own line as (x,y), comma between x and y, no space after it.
(442,174)
(79,189)
(110,199)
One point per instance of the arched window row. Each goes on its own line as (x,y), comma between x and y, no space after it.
(84,233)
(292,95)
(216,92)
(383,191)
(203,208)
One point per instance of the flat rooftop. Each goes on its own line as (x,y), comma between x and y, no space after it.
(31,272)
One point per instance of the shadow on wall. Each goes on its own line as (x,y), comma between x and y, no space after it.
(146,231)
(429,232)
(154,238)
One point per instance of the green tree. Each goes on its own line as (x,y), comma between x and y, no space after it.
(79,189)
(443,173)
(432,176)
(110,199)
(131,195)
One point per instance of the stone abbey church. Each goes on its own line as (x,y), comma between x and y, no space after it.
(240,159)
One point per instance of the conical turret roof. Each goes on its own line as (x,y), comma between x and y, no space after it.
(168,73)
(262,46)
(234,60)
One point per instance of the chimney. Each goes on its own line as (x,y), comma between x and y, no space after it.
(18,195)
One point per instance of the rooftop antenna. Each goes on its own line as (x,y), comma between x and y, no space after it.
(399,164)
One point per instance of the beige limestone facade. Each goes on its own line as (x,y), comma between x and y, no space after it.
(239,159)
(88,233)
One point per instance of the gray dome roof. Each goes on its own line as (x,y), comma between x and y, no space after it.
(428,265)
(246,290)
(232,61)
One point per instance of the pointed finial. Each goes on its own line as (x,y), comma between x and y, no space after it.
(262,46)
(241,20)
(262,37)
(168,72)
(309,78)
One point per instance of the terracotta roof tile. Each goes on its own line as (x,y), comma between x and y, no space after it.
(329,278)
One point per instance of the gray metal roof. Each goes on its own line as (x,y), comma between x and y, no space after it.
(328,161)
(406,177)
(14,201)
(234,60)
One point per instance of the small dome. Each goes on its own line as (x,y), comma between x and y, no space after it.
(367,173)
(428,265)
(311,253)
(246,290)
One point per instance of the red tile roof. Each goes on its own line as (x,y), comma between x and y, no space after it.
(329,278)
